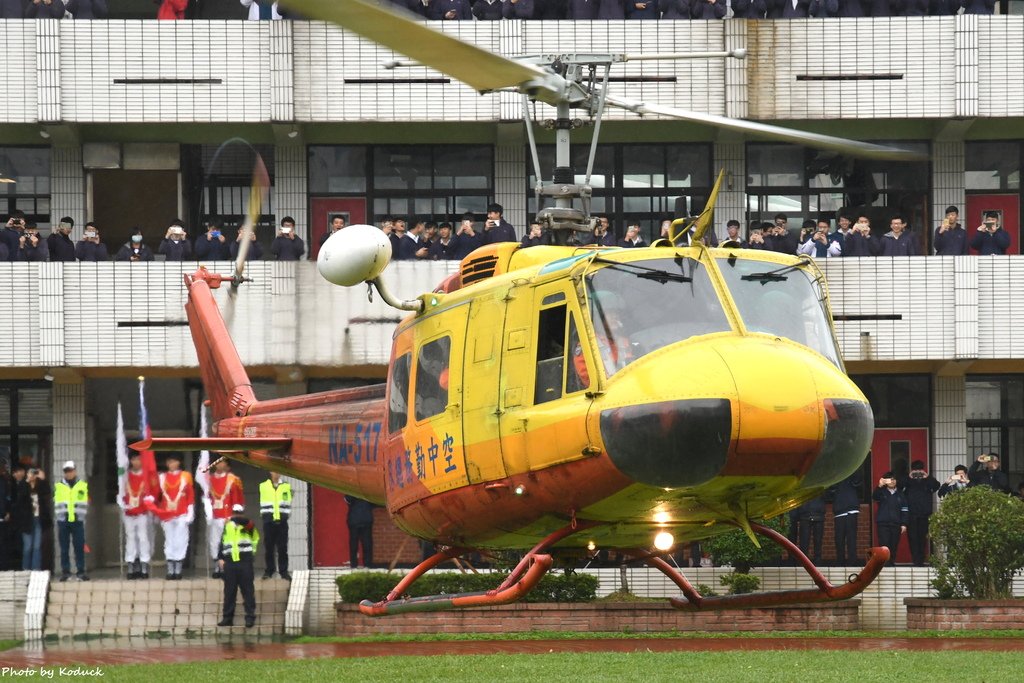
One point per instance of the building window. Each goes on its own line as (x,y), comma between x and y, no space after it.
(25,183)
(993,166)
(898,400)
(638,183)
(416,182)
(995,421)
(26,423)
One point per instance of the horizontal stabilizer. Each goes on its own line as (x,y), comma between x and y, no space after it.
(215,444)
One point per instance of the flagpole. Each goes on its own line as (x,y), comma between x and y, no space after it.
(121,455)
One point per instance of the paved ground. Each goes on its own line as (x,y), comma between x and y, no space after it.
(192,651)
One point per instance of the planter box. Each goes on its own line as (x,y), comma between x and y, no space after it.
(638,617)
(954,615)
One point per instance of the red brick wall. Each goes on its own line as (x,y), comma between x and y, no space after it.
(953,615)
(606,617)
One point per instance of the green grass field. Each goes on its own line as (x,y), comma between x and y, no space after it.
(8,644)
(712,667)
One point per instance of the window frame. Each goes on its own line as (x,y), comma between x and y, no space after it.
(415,381)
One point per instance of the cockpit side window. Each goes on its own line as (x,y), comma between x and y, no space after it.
(398,394)
(550,354)
(432,378)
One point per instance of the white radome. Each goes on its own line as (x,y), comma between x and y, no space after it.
(354,255)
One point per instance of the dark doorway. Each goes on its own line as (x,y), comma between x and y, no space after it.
(125,199)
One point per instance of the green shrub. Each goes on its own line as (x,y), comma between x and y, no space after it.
(738,583)
(358,586)
(982,533)
(735,548)
(705,590)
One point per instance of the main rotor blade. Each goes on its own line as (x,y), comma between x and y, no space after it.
(855,148)
(403,32)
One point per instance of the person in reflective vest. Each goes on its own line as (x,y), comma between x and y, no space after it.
(276,508)
(71,503)
(237,549)
(225,492)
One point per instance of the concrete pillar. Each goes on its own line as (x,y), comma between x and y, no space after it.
(291,194)
(71,442)
(947,179)
(67,187)
(732,198)
(510,177)
(291,382)
(949,440)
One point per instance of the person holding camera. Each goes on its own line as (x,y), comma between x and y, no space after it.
(255,252)
(957,482)
(31,513)
(10,236)
(950,237)
(632,239)
(991,239)
(892,516)
(467,238)
(213,245)
(59,242)
(175,245)
(134,249)
(31,246)
(497,229)
(89,248)
(817,243)
(47,9)
(412,246)
(985,472)
(919,488)
(859,241)
(287,246)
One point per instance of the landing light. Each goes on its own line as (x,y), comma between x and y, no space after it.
(591,546)
(664,540)
(519,490)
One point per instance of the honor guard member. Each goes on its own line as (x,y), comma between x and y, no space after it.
(71,503)
(176,514)
(237,549)
(138,522)
(276,508)
(225,493)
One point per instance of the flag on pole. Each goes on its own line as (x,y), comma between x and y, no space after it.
(122,456)
(202,469)
(148,457)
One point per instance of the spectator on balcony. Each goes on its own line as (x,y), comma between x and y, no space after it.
(749,9)
(255,252)
(978,6)
(550,9)
(756,236)
(337,223)
(172,9)
(89,248)
(287,246)
(521,9)
(676,9)
(413,247)
(175,245)
(892,516)
(430,233)
(779,238)
(642,9)
(489,10)
(950,237)
(12,9)
(497,229)
(467,239)
(991,239)
(397,233)
(859,241)
(88,9)
(32,246)
(387,226)
(261,9)
(733,239)
(854,8)
(841,231)
(445,247)
(818,243)
(708,9)
(943,8)
(957,482)
(600,235)
(10,236)
(414,6)
(611,9)
(632,238)
(533,237)
(794,9)
(213,245)
(898,241)
(914,8)
(580,9)
(821,9)
(59,242)
(919,487)
(134,249)
(449,10)
(985,472)
(50,9)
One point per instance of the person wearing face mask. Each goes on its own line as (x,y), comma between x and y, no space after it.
(134,249)
(175,246)
(287,246)
(32,246)
(59,242)
(89,248)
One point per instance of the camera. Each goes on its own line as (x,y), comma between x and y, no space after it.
(215,234)
(34,472)
(917,474)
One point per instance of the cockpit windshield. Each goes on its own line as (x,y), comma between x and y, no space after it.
(641,306)
(782,301)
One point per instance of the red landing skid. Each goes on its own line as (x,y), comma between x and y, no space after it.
(524,578)
(825,591)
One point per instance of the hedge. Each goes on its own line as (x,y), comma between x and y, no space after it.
(358,586)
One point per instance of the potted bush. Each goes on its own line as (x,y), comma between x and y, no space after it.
(735,548)
(981,533)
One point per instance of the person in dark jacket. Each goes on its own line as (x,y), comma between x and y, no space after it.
(467,238)
(678,9)
(845,498)
(919,487)
(892,515)
(11,234)
(950,237)
(859,241)
(238,547)
(520,9)
(31,514)
(550,9)
(781,240)
(821,9)
(800,9)
(395,230)
(978,6)
(581,9)
(854,8)
(12,9)
(88,9)
(985,472)
(255,252)
(632,239)
(360,530)
(175,245)
(212,246)
(756,236)
(446,246)
(642,9)
(412,246)
(898,241)
(489,10)
(957,482)
(59,242)
(337,223)
(496,228)
(287,246)
(534,237)
(811,516)
(913,8)
(943,8)
(32,246)
(707,9)
(134,249)
(89,248)
(991,239)
(50,9)
(750,9)
(611,9)
(448,10)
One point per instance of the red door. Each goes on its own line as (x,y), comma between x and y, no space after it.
(330,530)
(1008,206)
(323,209)
(892,450)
